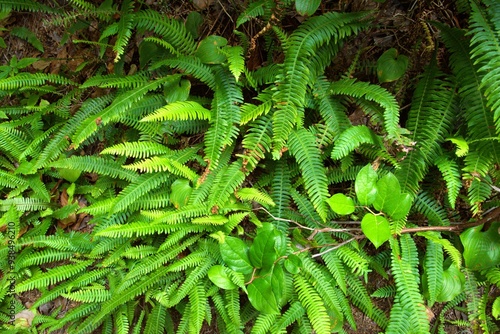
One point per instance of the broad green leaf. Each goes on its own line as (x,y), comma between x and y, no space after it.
(278,284)
(376,229)
(307,7)
(390,66)
(481,249)
(262,297)
(177,91)
(209,50)
(181,190)
(341,204)
(193,23)
(267,246)
(234,252)
(495,309)
(218,276)
(293,263)
(366,185)
(399,206)
(70,175)
(453,284)
(387,186)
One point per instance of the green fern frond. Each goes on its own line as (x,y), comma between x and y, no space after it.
(485,44)
(93,164)
(477,192)
(331,110)
(235,59)
(125,26)
(433,270)
(179,111)
(448,247)
(226,182)
(44,256)
(172,31)
(12,141)
(263,323)
(157,318)
(190,65)
(252,194)
(120,104)
(226,116)
(302,145)
(250,112)
(404,267)
(117,81)
(253,10)
(374,93)
(450,171)
(313,303)
(142,185)
(24,5)
(24,204)
(95,294)
(11,180)
(294,313)
(52,276)
(429,207)
(479,117)
(257,140)
(163,164)
(31,80)
(137,149)
(198,301)
(352,138)
(385,292)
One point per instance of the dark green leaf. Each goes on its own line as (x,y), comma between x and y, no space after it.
(376,229)
(341,204)
(307,7)
(366,185)
(234,252)
(390,66)
(217,275)
(481,249)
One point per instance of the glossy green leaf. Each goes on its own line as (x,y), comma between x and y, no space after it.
(267,246)
(177,91)
(307,7)
(376,229)
(366,185)
(398,207)
(218,276)
(262,297)
(481,249)
(341,204)
(234,253)
(293,263)
(209,50)
(193,22)
(495,309)
(391,66)
(180,192)
(453,284)
(70,175)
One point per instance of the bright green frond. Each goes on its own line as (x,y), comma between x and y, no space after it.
(179,111)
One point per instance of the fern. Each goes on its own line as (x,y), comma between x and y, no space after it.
(313,304)
(352,138)
(302,146)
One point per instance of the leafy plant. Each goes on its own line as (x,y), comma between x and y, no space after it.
(190,190)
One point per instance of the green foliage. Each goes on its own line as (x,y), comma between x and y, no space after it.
(197,191)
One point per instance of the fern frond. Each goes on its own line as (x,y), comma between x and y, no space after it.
(24,5)
(163,164)
(32,80)
(294,313)
(52,276)
(451,174)
(137,149)
(226,116)
(93,294)
(263,323)
(302,145)
(226,182)
(125,26)
(142,185)
(352,138)
(374,93)
(93,164)
(404,267)
(172,31)
(191,65)
(24,204)
(179,111)
(485,44)
(121,103)
(433,270)
(313,303)
(429,207)
(257,140)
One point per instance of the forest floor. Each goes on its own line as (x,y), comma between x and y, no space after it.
(399,24)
